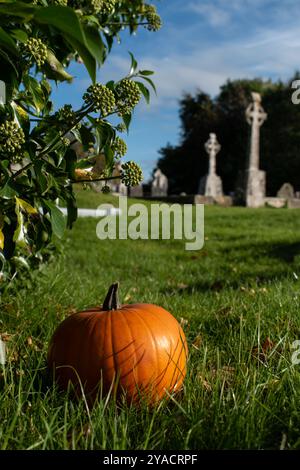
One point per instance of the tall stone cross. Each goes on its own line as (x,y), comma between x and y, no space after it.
(211,184)
(212,147)
(256,179)
(256,116)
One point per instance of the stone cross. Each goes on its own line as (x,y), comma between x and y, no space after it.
(256,179)
(255,117)
(212,147)
(211,184)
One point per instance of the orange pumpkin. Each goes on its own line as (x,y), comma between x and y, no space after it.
(137,349)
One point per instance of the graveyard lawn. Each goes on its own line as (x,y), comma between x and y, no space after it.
(238,302)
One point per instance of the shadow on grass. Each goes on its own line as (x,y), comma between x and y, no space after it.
(266,263)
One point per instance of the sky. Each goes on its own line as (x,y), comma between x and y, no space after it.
(202,44)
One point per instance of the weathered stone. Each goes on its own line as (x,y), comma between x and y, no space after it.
(159,185)
(286,191)
(211,184)
(276,202)
(293,203)
(136,191)
(256,179)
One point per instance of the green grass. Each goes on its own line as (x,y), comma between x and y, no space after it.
(240,289)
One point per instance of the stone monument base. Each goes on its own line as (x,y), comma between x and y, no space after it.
(256,188)
(211,186)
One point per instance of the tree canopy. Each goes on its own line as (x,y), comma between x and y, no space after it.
(200,114)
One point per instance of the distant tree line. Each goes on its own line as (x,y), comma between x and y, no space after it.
(225,115)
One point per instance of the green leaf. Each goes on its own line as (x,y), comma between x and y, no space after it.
(18,9)
(57,218)
(144,91)
(86,56)
(146,72)
(54,69)
(134,64)
(7,42)
(20,233)
(150,83)
(8,192)
(19,34)
(34,88)
(109,155)
(95,43)
(66,21)
(127,120)
(25,206)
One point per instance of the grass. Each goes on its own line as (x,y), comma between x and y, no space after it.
(238,302)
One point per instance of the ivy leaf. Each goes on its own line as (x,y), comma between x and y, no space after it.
(57,218)
(7,42)
(66,21)
(127,120)
(54,69)
(146,72)
(20,233)
(25,206)
(134,64)
(144,90)
(95,43)
(8,192)
(18,9)
(150,83)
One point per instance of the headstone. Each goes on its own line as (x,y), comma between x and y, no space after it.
(116,185)
(256,179)
(293,203)
(159,185)
(276,202)
(211,184)
(137,191)
(286,191)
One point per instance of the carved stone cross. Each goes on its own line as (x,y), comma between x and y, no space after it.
(212,147)
(255,116)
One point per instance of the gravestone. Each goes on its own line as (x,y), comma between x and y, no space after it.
(286,191)
(211,184)
(116,185)
(137,191)
(256,179)
(159,186)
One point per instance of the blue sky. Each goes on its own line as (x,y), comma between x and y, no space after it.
(202,43)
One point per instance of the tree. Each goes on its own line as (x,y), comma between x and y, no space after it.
(225,115)
(38,40)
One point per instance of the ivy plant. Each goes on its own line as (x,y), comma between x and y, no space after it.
(38,162)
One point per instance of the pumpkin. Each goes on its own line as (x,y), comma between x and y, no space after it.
(138,349)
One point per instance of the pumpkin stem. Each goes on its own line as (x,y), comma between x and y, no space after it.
(111,301)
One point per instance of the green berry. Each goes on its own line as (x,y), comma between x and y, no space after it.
(12,139)
(119,147)
(131,174)
(66,116)
(100,98)
(35,50)
(105,189)
(121,127)
(127,96)
(152,17)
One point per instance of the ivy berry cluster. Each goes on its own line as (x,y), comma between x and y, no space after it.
(131,174)
(36,50)
(153,18)
(128,96)
(119,147)
(100,98)
(12,139)
(66,115)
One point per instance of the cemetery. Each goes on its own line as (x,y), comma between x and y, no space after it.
(146,303)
